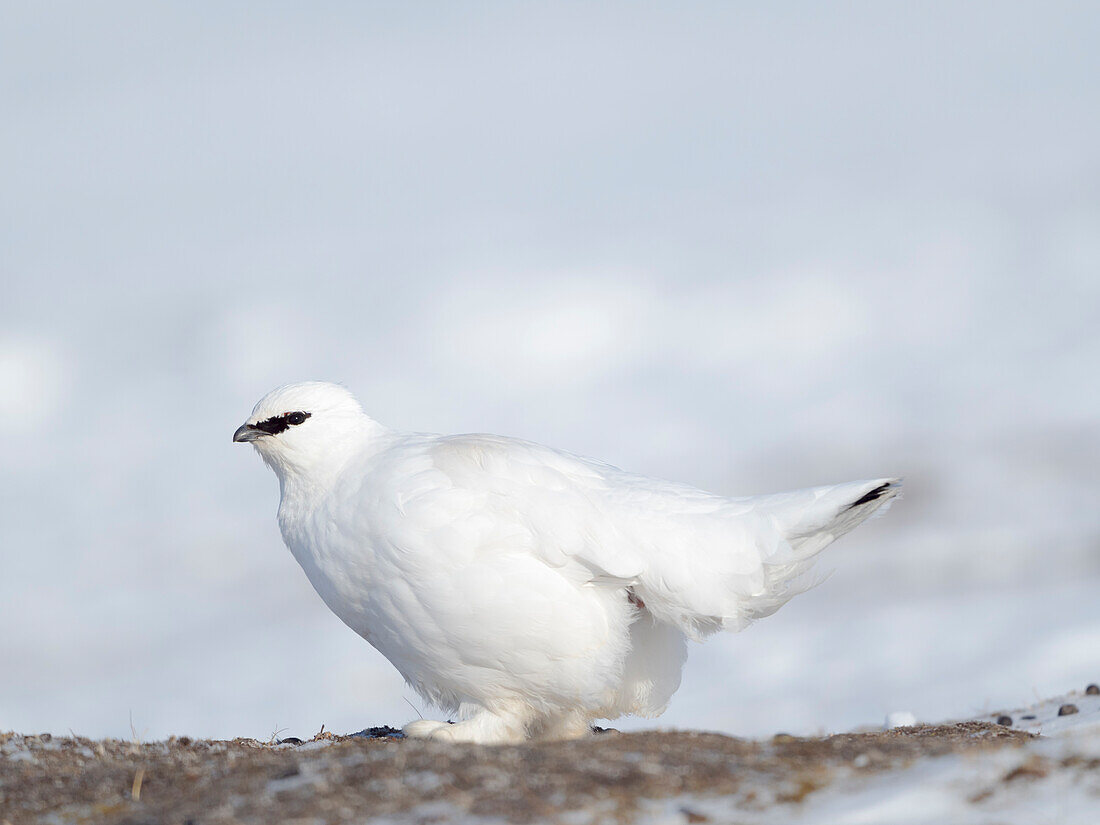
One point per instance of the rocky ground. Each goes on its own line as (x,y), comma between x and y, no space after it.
(975,771)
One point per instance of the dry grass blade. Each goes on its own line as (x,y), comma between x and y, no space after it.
(135,788)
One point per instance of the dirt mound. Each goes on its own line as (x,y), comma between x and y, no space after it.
(337,779)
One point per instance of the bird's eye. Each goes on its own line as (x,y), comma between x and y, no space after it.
(296,417)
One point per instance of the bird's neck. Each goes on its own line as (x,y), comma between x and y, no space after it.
(311,474)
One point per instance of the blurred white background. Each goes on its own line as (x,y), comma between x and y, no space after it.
(747,247)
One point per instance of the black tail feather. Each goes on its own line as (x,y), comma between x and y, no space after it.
(873,495)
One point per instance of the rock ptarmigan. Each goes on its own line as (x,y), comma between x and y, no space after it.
(526,589)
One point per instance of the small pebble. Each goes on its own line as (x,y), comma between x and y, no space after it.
(693,816)
(899,719)
(1067,710)
(1093,690)
(290,740)
(1004,720)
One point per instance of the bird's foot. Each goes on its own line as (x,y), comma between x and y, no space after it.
(423,728)
(564,726)
(481,729)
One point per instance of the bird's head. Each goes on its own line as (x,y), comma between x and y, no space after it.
(300,428)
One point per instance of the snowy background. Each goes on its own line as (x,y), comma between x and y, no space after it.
(750,248)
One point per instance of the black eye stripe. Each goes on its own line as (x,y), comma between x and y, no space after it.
(277,423)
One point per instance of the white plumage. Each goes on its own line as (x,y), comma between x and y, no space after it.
(528,590)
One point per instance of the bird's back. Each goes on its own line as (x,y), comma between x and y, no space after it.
(699,561)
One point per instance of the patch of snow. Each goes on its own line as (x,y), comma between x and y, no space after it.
(1044,780)
(1057,716)
(315,744)
(1020,786)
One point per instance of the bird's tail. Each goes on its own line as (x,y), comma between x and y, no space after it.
(808,521)
(812,519)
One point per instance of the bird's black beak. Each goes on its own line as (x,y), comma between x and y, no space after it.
(248,432)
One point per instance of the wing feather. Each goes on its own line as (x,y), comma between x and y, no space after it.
(700,561)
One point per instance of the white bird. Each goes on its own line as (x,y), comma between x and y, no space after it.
(526,589)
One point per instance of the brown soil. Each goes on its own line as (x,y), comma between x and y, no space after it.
(349,779)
